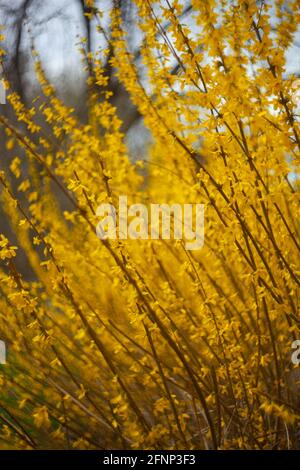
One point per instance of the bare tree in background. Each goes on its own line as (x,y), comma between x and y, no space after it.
(24,21)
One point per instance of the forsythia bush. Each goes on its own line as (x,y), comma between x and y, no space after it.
(140,343)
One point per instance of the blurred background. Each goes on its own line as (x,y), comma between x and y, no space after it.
(65,33)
